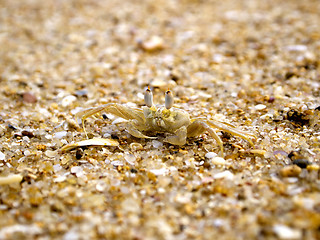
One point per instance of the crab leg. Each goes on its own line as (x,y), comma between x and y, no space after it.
(113,108)
(133,130)
(232,130)
(198,127)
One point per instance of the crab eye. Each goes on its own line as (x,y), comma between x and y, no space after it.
(148,97)
(168,100)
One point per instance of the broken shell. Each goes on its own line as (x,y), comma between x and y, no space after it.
(50,153)
(136,146)
(90,142)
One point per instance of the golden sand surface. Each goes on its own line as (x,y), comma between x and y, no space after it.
(253,64)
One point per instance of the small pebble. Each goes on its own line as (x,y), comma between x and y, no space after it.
(78,171)
(29,97)
(306,203)
(157,144)
(210,155)
(68,100)
(60,135)
(81,93)
(284,232)
(217,58)
(117,163)
(118,120)
(161,171)
(27,133)
(2,156)
(313,167)
(79,153)
(101,186)
(130,158)
(290,171)
(218,161)
(302,163)
(57,167)
(260,107)
(60,178)
(155,43)
(226,174)
(26,153)
(297,48)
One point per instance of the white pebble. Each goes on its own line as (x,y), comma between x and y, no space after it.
(260,106)
(117,163)
(66,101)
(226,174)
(57,167)
(284,232)
(130,158)
(60,178)
(204,95)
(307,203)
(26,153)
(210,155)
(48,136)
(161,190)
(153,44)
(26,139)
(60,135)
(2,156)
(119,120)
(217,58)
(297,48)
(101,186)
(9,232)
(219,222)
(157,144)
(161,171)
(44,112)
(78,171)
(218,161)
(71,234)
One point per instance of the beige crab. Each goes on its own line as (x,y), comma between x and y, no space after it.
(175,122)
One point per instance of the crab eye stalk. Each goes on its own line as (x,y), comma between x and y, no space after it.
(168,99)
(148,98)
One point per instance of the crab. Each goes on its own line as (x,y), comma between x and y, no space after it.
(174,122)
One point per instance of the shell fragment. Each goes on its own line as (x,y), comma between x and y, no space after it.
(90,142)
